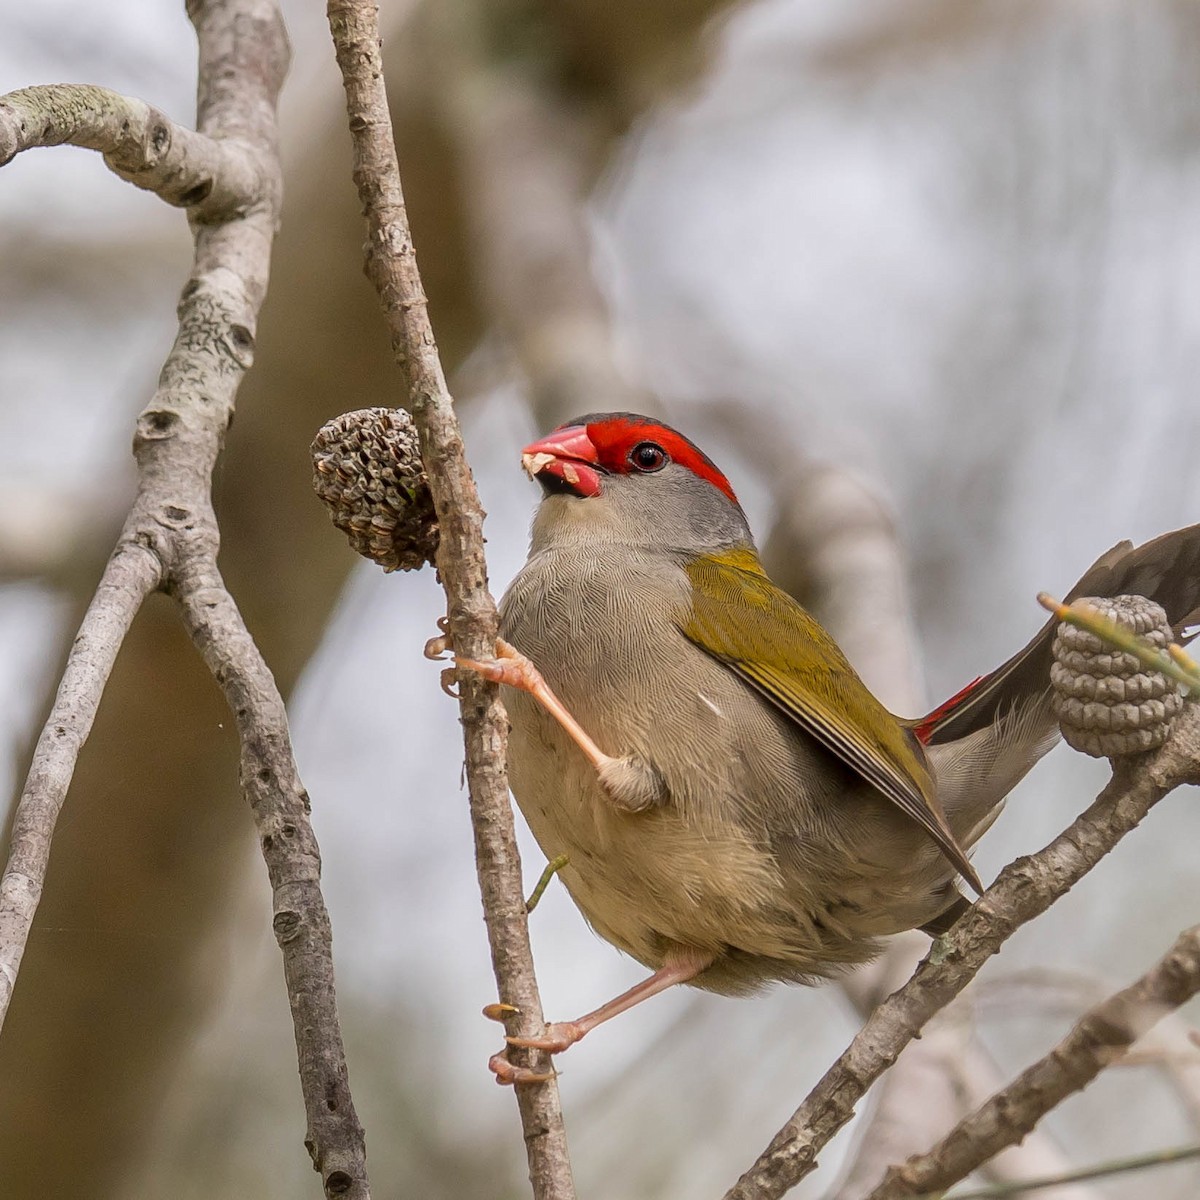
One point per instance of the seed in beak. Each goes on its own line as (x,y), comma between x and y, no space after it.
(533,463)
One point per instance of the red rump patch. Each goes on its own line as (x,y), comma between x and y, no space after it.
(924,729)
(616,434)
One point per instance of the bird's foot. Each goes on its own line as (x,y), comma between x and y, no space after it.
(630,782)
(558,1037)
(509,1074)
(513,669)
(682,965)
(509,667)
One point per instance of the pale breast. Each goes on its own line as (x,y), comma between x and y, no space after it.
(768,854)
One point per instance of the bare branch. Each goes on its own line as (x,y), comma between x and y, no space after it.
(300,920)
(216,178)
(1039,1156)
(227,173)
(391,265)
(1172,1046)
(1101,1037)
(836,547)
(1023,890)
(133,572)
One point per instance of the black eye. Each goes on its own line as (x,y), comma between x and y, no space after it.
(646,456)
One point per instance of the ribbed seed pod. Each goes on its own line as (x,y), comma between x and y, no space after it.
(367,469)
(1107,702)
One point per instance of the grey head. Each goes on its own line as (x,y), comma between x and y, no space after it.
(624,479)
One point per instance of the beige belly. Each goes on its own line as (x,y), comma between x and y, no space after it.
(768,855)
(644,880)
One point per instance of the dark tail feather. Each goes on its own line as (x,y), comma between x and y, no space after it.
(1167,570)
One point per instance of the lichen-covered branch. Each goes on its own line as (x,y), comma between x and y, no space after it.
(1099,1039)
(392,267)
(228,175)
(215,178)
(1023,891)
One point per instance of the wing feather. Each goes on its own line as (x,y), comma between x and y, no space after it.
(792,662)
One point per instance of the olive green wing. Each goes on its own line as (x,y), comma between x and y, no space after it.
(760,633)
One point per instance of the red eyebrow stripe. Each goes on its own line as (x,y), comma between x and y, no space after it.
(615,438)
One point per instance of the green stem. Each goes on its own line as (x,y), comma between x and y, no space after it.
(553,867)
(1174,665)
(1116,1166)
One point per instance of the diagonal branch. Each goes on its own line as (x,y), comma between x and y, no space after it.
(131,575)
(392,268)
(836,548)
(228,174)
(1100,1038)
(1023,890)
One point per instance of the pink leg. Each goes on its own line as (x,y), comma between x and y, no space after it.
(680,967)
(511,667)
(631,782)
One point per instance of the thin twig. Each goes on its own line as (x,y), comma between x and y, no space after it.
(391,265)
(1104,1170)
(131,575)
(1023,890)
(549,871)
(228,174)
(1100,1037)
(1174,662)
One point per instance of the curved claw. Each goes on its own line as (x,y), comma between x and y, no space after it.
(448,680)
(508,1074)
(499,1011)
(437,647)
(558,1037)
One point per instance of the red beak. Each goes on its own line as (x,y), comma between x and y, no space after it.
(565,461)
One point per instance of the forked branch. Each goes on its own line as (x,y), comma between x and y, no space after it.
(227,175)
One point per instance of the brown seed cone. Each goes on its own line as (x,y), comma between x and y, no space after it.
(1107,702)
(367,469)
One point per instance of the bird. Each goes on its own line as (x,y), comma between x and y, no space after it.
(733,805)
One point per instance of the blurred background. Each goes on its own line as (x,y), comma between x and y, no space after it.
(951,249)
